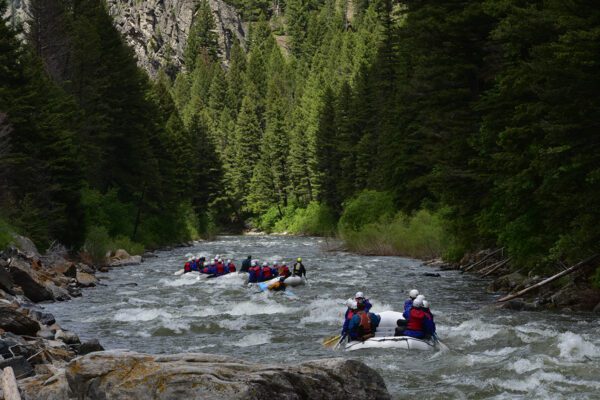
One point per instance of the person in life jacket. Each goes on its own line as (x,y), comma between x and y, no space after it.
(299,269)
(360,297)
(230,266)
(408,303)
(253,273)
(274,270)
(266,273)
(419,324)
(278,286)
(363,325)
(284,271)
(194,265)
(246,264)
(429,315)
(350,311)
(220,267)
(187,267)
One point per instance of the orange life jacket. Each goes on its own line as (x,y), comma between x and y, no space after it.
(364,328)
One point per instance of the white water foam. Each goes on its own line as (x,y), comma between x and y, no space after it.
(255,308)
(328,311)
(574,347)
(254,339)
(141,314)
(475,330)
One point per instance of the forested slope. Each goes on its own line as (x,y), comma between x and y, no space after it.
(463,124)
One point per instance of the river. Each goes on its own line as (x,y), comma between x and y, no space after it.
(494,353)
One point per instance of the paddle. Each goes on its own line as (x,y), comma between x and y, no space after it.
(340,342)
(330,341)
(439,343)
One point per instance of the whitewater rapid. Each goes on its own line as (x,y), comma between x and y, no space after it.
(495,354)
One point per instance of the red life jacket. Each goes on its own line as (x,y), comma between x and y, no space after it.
(415,320)
(266,272)
(187,267)
(231,267)
(364,327)
(351,313)
(205,270)
(220,268)
(284,271)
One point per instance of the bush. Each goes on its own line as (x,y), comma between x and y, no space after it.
(5,235)
(108,211)
(315,219)
(125,243)
(97,244)
(421,235)
(368,207)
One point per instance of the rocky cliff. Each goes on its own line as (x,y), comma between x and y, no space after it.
(157,30)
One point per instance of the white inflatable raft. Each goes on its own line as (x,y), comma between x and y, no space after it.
(385,339)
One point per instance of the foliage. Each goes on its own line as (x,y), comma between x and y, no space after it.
(125,243)
(368,207)
(5,234)
(97,244)
(315,219)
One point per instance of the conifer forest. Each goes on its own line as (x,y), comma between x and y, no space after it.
(413,127)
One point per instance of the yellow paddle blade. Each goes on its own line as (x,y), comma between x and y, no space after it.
(331,341)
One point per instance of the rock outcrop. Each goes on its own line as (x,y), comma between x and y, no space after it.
(126,375)
(157,30)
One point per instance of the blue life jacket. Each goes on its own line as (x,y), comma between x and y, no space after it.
(407,307)
(252,278)
(274,272)
(194,266)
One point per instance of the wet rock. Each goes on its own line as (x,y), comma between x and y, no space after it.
(58,293)
(90,347)
(149,255)
(86,280)
(519,305)
(66,337)
(15,321)
(68,269)
(432,274)
(6,281)
(74,292)
(27,278)
(21,367)
(85,268)
(125,375)
(103,269)
(130,284)
(46,333)
(133,260)
(26,246)
(42,317)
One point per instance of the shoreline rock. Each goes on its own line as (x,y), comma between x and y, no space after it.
(128,375)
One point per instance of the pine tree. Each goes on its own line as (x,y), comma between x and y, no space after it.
(202,38)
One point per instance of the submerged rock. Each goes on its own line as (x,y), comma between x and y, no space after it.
(125,375)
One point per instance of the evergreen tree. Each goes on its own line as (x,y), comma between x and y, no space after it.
(202,38)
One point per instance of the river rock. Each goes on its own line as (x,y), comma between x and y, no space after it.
(86,280)
(68,269)
(66,337)
(15,321)
(21,367)
(121,254)
(133,260)
(27,278)
(26,246)
(42,317)
(123,375)
(90,347)
(6,281)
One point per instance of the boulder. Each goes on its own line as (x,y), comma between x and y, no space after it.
(86,280)
(85,268)
(133,260)
(6,281)
(124,375)
(27,278)
(90,347)
(121,255)
(21,367)
(15,321)
(68,269)
(26,246)
(66,337)
(42,317)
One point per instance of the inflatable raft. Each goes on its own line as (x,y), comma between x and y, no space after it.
(385,339)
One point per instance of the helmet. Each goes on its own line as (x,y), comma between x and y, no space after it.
(253,263)
(216,258)
(198,256)
(299,259)
(351,304)
(413,293)
(190,258)
(421,297)
(249,257)
(425,304)
(418,303)
(220,260)
(359,295)
(265,264)
(228,261)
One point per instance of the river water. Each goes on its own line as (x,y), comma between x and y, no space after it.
(493,353)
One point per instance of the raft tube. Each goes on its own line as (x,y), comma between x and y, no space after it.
(294,281)
(392,342)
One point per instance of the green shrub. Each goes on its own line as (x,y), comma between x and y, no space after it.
(125,243)
(5,235)
(368,207)
(97,244)
(108,211)
(315,219)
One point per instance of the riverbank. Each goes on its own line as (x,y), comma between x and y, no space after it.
(51,362)
(569,289)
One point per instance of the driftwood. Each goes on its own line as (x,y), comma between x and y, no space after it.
(548,280)
(470,267)
(495,267)
(9,385)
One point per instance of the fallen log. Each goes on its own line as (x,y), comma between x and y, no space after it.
(470,267)
(548,280)
(495,267)
(9,385)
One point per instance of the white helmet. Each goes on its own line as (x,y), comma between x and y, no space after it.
(253,263)
(228,261)
(190,258)
(425,304)
(351,304)
(265,264)
(359,295)
(418,303)
(413,293)
(422,297)
(198,255)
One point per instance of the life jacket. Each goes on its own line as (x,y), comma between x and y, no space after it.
(297,268)
(194,266)
(220,269)
(364,327)
(266,273)
(231,267)
(277,286)
(205,270)
(415,320)
(187,267)
(350,314)
(252,276)
(274,272)
(284,271)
